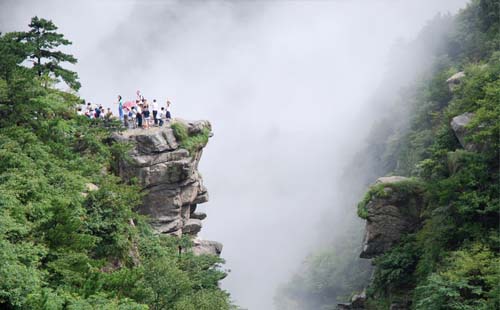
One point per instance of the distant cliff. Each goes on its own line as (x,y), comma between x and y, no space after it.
(164,162)
(433,231)
(432,226)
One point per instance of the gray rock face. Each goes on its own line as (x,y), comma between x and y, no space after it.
(357,303)
(192,227)
(454,80)
(389,218)
(89,187)
(391,179)
(206,247)
(458,124)
(198,215)
(399,306)
(169,177)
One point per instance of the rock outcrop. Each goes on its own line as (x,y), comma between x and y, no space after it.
(357,303)
(206,247)
(392,211)
(89,187)
(455,80)
(168,174)
(459,125)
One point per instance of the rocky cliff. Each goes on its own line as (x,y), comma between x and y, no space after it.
(392,206)
(392,210)
(164,162)
(460,125)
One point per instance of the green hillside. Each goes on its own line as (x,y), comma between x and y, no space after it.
(452,261)
(69,236)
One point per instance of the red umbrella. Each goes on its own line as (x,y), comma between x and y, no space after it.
(129,104)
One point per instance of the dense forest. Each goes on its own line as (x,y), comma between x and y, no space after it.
(451,261)
(69,235)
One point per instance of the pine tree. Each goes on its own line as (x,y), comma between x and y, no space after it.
(42,40)
(13,53)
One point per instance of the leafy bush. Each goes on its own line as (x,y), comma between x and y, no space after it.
(453,259)
(394,269)
(469,281)
(404,189)
(64,246)
(190,142)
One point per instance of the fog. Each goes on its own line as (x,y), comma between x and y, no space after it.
(283,83)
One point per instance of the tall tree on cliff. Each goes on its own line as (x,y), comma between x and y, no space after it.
(42,41)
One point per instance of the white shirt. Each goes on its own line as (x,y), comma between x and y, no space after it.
(154,106)
(161,114)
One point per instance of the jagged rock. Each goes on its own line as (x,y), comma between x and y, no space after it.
(391,179)
(454,80)
(154,140)
(206,247)
(168,175)
(202,196)
(192,227)
(112,265)
(198,215)
(195,127)
(390,217)
(459,124)
(89,187)
(357,303)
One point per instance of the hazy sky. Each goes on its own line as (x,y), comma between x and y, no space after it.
(282,83)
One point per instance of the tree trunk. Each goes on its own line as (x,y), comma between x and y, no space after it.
(39,62)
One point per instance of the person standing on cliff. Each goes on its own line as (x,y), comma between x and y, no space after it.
(139,115)
(146,115)
(161,116)
(125,117)
(120,107)
(133,117)
(168,115)
(154,108)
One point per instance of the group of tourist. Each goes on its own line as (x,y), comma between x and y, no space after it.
(138,114)
(142,114)
(95,111)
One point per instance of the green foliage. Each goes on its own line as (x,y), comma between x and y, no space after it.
(63,245)
(452,262)
(120,154)
(477,31)
(108,216)
(375,191)
(404,189)
(394,269)
(204,299)
(41,41)
(13,54)
(479,93)
(190,142)
(469,280)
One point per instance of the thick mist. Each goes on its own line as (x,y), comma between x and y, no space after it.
(283,83)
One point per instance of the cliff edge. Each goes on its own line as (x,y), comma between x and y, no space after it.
(391,209)
(164,162)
